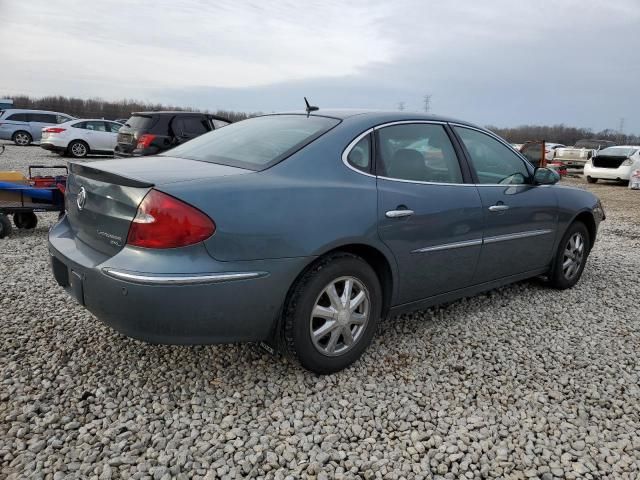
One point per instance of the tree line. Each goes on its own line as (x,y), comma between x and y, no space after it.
(562,134)
(110,110)
(99,108)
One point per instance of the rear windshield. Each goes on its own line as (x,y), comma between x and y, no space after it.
(617,152)
(256,143)
(140,122)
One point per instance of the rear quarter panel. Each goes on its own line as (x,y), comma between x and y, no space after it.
(304,206)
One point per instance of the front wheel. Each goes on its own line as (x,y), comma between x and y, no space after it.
(571,257)
(332,313)
(591,180)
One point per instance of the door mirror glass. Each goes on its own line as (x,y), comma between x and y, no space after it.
(545,176)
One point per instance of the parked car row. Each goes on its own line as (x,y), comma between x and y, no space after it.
(144,133)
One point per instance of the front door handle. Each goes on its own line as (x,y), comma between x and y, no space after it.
(399,213)
(498,208)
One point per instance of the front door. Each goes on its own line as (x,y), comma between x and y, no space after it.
(520,217)
(427,215)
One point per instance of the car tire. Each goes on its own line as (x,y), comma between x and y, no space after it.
(592,180)
(22,138)
(342,333)
(25,220)
(5,226)
(78,149)
(571,257)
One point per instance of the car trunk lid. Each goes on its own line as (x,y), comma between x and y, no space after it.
(102,198)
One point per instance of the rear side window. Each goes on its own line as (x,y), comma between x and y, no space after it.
(219,123)
(256,143)
(190,126)
(43,118)
(493,162)
(360,155)
(95,126)
(418,152)
(18,117)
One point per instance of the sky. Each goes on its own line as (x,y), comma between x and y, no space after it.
(491,62)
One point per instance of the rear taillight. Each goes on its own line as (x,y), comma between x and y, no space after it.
(163,221)
(54,130)
(145,140)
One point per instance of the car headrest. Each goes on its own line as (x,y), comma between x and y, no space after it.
(407,164)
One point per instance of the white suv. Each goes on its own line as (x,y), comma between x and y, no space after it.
(78,138)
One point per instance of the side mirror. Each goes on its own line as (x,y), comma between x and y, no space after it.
(545,176)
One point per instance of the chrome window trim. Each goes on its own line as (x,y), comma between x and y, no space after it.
(483,241)
(353,143)
(448,246)
(180,279)
(499,139)
(347,151)
(515,236)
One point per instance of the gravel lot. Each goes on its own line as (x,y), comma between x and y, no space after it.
(522,382)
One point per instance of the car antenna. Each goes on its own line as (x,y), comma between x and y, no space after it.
(310,108)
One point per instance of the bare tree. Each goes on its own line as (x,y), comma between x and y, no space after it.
(401,106)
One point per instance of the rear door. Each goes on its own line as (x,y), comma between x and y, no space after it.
(427,215)
(520,218)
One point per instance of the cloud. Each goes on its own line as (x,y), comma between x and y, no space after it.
(496,61)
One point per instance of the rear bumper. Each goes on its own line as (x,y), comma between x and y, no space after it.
(136,152)
(53,148)
(620,173)
(221,302)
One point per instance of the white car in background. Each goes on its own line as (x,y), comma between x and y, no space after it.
(78,138)
(613,163)
(550,150)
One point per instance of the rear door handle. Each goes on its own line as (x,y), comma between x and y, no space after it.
(498,208)
(399,213)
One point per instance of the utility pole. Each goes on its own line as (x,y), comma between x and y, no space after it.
(427,103)
(620,130)
(401,106)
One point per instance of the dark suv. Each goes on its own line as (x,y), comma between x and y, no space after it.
(149,133)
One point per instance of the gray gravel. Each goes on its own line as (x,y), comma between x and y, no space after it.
(522,382)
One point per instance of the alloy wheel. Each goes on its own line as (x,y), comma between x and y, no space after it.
(573,256)
(339,316)
(22,139)
(78,149)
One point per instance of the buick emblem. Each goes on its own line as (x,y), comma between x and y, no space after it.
(81,199)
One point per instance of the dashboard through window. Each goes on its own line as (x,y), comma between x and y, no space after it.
(418,152)
(493,162)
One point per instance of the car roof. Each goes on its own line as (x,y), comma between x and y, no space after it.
(180,112)
(91,120)
(378,115)
(26,110)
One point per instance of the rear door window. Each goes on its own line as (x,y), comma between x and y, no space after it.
(62,118)
(95,126)
(417,152)
(112,127)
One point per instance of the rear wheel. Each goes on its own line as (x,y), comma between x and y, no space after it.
(5,226)
(78,149)
(25,220)
(591,180)
(22,138)
(571,257)
(332,312)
